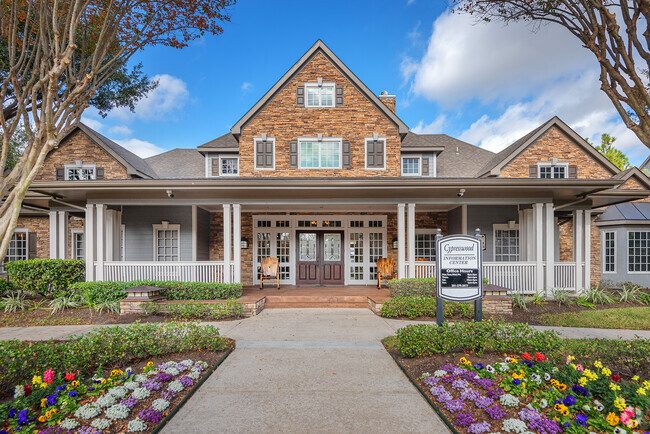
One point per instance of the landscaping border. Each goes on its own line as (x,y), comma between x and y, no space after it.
(424,395)
(180,405)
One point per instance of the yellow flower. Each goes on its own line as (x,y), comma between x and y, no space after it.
(612,419)
(554,382)
(565,412)
(646,385)
(43,401)
(614,386)
(513,360)
(48,414)
(635,378)
(597,364)
(36,379)
(582,381)
(560,408)
(641,391)
(43,385)
(75,383)
(574,366)
(570,358)
(116,372)
(53,410)
(562,387)
(42,419)
(619,403)
(606,371)
(523,385)
(103,381)
(632,423)
(150,364)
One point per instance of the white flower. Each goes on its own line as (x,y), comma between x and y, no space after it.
(100,423)
(508,359)
(106,401)
(619,431)
(555,369)
(152,373)
(547,376)
(514,425)
(509,400)
(88,411)
(599,405)
(172,371)
(131,385)
(136,425)
(187,362)
(440,373)
(19,391)
(424,376)
(543,403)
(139,378)
(160,404)
(118,391)
(193,375)
(117,411)
(586,407)
(176,386)
(69,424)
(141,393)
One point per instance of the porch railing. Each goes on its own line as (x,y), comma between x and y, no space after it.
(565,275)
(179,271)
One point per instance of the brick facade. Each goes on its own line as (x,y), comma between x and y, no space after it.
(79,147)
(40,225)
(282,119)
(555,144)
(566,247)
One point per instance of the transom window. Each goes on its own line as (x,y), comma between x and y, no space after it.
(320,155)
(320,96)
(229,166)
(549,170)
(410,166)
(638,251)
(609,263)
(80,172)
(506,243)
(166,242)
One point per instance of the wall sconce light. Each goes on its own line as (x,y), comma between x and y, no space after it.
(395,243)
(244,243)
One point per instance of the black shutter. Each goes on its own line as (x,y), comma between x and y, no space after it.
(339,96)
(300,95)
(293,154)
(532,171)
(99,173)
(215,166)
(268,154)
(573,171)
(31,245)
(347,158)
(60,174)
(264,154)
(375,154)
(425,166)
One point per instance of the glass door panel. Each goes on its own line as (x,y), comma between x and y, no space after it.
(307,243)
(332,247)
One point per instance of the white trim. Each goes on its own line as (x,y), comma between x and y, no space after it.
(100,234)
(20,231)
(89,227)
(338,140)
(236,235)
(410,223)
(73,245)
(401,165)
(195,235)
(54,227)
(433,166)
(432,231)
(63,235)
(255,139)
(320,85)
(401,242)
(79,165)
(165,226)
(500,227)
(627,254)
(604,251)
(123,242)
(236,157)
(227,240)
(551,164)
(365,155)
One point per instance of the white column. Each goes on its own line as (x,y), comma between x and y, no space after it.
(236,239)
(89,226)
(530,235)
(522,235)
(587,250)
(227,238)
(101,253)
(463,219)
(550,247)
(578,243)
(195,240)
(539,241)
(63,235)
(109,231)
(401,268)
(411,239)
(54,231)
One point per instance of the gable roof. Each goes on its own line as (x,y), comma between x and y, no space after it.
(134,164)
(225,141)
(319,46)
(635,172)
(494,166)
(645,164)
(178,164)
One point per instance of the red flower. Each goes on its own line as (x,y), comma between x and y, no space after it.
(69,376)
(525,356)
(616,378)
(540,357)
(28,390)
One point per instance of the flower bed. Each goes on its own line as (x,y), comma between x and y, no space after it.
(532,394)
(122,401)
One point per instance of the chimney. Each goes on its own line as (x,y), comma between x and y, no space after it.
(389,100)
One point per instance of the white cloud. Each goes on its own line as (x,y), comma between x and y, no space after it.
(246,86)
(414,35)
(169,96)
(92,123)
(435,127)
(139,147)
(120,130)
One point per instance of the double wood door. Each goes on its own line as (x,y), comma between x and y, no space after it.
(319,258)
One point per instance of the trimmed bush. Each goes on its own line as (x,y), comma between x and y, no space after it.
(414,307)
(113,347)
(93,293)
(196,310)
(46,276)
(491,336)
(425,287)
(6,286)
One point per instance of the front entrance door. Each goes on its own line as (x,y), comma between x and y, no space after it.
(319,258)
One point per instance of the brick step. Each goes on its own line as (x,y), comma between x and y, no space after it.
(316,299)
(314,305)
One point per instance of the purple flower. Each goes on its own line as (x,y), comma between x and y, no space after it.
(495,392)
(497,412)
(479,427)
(459,384)
(50,430)
(151,384)
(88,430)
(168,394)
(464,419)
(129,402)
(454,405)
(516,381)
(582,419)
(469,394)
(164,377)
(72,394)
(151,415)
(186,381)
(90,389)
(431,381)
(528,414)
(545,426)
(528,363)
(483,402)
(569,400)
(479,366)
(579,390)
(12,413)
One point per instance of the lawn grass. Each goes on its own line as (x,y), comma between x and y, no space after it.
(634,318)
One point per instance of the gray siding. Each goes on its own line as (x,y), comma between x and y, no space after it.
(455,221)
(484,217)
(138,222)
(621,247)
(203,231)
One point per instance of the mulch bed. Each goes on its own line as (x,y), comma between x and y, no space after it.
(43,317)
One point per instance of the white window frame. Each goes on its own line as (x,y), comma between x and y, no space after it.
(506,227)
(301,140)
(73,245)
(255,139)
(165,226)
(552,165)
(22,231)
(401,165)
(604,250)
(627,253)
(428,232)
(365,155)
(79,165)
(234,157)
(320,86)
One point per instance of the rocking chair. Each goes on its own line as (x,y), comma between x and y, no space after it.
(385,270)
(269,272)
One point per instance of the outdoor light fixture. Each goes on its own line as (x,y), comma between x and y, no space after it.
(395,243)
(244,243)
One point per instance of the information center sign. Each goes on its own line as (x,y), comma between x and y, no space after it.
(459,267)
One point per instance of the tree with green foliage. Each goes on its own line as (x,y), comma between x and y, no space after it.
(611,152)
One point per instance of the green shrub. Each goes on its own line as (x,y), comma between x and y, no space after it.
(629,293)
(46,276)
(425,287)
(598,294)
(114,347)
(6,286)
(93,293)
(560,295)
(491,336)
(518,300)
(195,310)
(414,307)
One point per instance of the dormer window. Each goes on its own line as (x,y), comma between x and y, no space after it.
(319,94)
(552,169)
(80,172)
(411,166)
(228,166)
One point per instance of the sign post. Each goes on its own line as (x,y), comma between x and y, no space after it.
(459,271)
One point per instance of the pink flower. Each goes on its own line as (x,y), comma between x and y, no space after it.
(48,376)
(540,357)
(580,368)
(625,418)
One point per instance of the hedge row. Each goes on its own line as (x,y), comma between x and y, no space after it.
(424,287)
(415,307)
(46,276)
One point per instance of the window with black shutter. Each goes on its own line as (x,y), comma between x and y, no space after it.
(375,153)
(264,153)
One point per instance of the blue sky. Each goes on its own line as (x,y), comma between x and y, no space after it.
(485,84)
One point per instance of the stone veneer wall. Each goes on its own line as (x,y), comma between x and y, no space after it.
(566,247)
(41,226)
